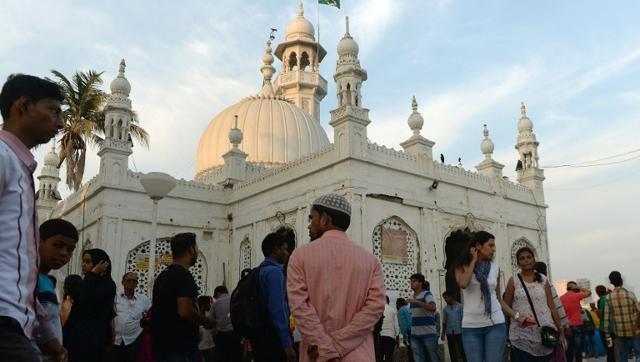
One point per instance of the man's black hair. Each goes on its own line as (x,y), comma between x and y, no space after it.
(272,241)
(541,267)
(615,278)
(338,219)
(22,85)
(447,294)
(54,227)
(289,235)
(601,290)
(204,299)
(220,289)
(180,243)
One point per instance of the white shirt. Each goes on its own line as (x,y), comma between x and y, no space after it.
(19,240)
(129,312)
(206,339)
(473,315)
(390,322)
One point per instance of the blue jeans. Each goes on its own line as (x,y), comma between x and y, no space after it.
(623,347)
(484,344)
(422,346)
(574,345)
(636,345)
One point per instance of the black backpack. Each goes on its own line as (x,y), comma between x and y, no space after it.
(248,307)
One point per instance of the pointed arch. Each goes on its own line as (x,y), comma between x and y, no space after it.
(304,61)
(396,244)
(292,61)
(245,255)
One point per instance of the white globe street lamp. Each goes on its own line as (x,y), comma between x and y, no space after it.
(157,185)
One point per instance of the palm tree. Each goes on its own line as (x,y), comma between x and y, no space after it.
(84,122)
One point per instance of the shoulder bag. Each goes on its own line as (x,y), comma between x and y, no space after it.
(550,336)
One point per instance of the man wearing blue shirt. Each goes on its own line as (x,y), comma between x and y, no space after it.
(276,344)
(452,327)
(424,334)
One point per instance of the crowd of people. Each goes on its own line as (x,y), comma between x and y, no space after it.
(323,301)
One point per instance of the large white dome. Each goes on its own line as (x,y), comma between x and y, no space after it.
(275,131)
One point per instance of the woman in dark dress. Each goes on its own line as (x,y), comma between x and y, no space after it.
(88,332)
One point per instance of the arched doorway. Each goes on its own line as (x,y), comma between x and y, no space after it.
(454,244)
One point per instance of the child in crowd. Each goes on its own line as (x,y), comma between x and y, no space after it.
(205,344)
(58,239)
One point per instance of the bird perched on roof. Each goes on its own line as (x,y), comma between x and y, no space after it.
(442,158)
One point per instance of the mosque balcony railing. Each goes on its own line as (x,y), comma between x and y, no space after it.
(292,77)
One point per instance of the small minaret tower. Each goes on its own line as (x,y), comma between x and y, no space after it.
(488,167)
(300,81)
(350,119)
(416,144)
(528,170)
(235,160)
(47,195)
(116,147)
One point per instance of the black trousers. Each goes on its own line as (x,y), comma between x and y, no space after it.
(228,347)
(268,349)
(387,347)
(456,351)
(125,353)
(14,345)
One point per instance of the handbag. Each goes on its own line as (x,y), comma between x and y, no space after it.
(550,336)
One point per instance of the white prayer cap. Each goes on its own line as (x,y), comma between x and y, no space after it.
(334,202)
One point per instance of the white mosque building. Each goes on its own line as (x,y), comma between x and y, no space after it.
(262,161)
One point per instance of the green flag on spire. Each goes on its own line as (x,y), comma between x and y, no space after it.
(335,3)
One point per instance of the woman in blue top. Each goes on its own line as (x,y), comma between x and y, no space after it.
(483,322)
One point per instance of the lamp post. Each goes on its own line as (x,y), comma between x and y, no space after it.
(157,185)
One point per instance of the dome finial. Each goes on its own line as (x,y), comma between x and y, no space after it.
(123,65)
(486,146)
(235,134)
(346,21)
(300,9)
(267,69)
(523,109)
(415,121)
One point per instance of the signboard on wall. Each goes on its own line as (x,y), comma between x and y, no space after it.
(394,246)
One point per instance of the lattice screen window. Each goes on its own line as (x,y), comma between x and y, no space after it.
(138,261)
(397,268)
(245,254)
(514,249)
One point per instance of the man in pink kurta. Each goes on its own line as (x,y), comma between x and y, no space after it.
(335,288)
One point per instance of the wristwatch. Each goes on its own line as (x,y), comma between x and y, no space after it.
(516,316)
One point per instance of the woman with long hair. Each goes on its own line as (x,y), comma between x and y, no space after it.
(524,330)
(88,332)
(483,322)
(72,284)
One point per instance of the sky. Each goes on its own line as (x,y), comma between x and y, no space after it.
(576,65)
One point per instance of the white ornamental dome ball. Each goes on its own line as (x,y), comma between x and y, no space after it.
(274,131)
(525,124)
(348,46)
(235,136)
(120,85)
(486,146)
(300,27)
(415,121)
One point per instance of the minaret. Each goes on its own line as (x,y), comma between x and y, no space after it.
(529,173)
(300,81)
(416,144)
(488,167)
(235,160)
(47,195)
(116,147)
(350,119)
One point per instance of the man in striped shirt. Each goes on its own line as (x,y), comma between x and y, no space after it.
(424,333)
(30,108)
